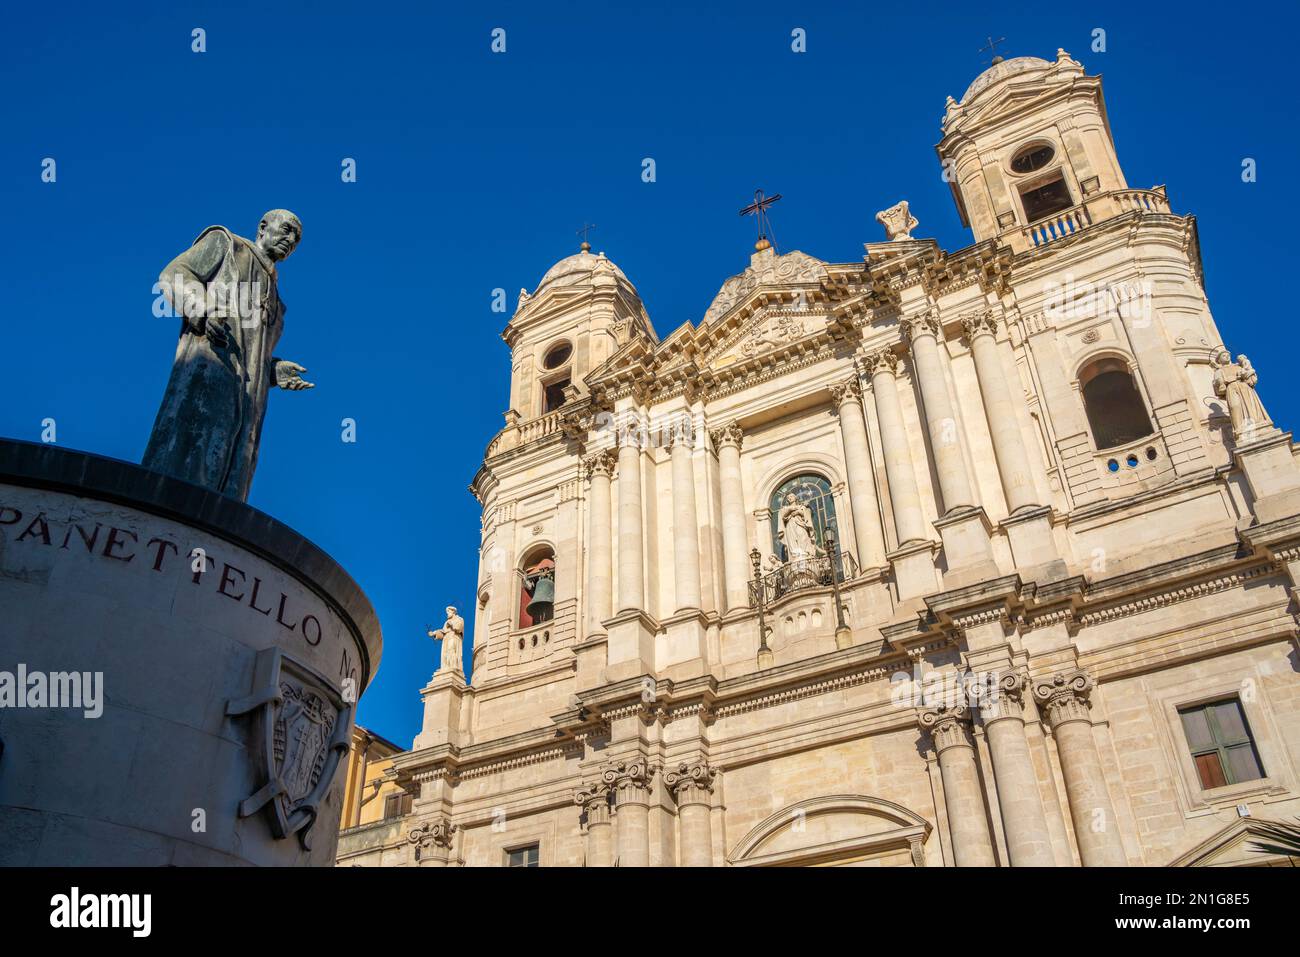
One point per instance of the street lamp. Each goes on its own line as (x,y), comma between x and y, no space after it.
(764,652)
(843,637)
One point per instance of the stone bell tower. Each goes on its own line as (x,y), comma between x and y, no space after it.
(1029,142)
(580,313)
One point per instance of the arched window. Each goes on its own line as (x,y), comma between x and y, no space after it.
(537,587)
(557,378)
(812,491)
(1116,413)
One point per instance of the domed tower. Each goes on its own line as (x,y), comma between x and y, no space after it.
(1028,143)
(583,309)
(529,594)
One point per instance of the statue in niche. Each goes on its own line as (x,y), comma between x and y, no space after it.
(1235,382)
(452,636)
(224,288)
(799,536)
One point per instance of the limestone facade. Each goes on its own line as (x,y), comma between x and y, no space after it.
(1052,550)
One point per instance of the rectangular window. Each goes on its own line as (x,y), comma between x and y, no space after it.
(553,397)
(395,805)
(1046,200)
(523,856)
(1221,743)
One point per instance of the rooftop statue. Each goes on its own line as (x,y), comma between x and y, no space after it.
(210,421)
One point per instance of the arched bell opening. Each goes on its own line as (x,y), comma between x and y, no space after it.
(537,587)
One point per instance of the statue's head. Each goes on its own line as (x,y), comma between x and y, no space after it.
(451,611)
(278,234)
(790,498)
(1222,357)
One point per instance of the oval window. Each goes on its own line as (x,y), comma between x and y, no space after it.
(1033,158)
(558,356)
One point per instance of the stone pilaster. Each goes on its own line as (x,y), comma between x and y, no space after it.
(923,333)
(686,538)
(913,560)
(950,730)
(999,409)
(599,469)
(631,781)
(631,572)
(860,475)
(692,785)
(593,799)
(735,554)
(1063,700)
(1029,843)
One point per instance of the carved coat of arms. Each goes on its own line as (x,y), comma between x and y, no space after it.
(301,727)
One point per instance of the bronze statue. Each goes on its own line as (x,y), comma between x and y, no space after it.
(210,421)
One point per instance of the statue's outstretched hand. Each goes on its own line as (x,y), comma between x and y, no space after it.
(288,375)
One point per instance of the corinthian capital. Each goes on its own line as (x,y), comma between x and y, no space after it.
(691,783)
(882,360)
(1004,699)
(922,324)
(948,726)
(980,323)
(601,463)
(629,780)
(593,798)
(848,391)
(433,832)
(1064,696)
(729,434)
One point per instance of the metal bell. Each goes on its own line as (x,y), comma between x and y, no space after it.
(542,605)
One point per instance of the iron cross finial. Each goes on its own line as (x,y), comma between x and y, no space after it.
(586,228)
(758,209)
(991,46)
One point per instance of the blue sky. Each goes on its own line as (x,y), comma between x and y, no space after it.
(473,171)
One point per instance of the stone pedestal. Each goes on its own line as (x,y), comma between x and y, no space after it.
(631,645)
(967,548)
(442,697)
(200,631)
(1271,472)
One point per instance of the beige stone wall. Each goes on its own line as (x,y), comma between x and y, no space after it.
(993,536)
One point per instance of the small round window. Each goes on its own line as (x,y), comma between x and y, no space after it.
(558,356)
(1033,158)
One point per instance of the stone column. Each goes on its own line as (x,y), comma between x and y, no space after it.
(631,577)
(630,781)
(735,557)
(599,468)
(594,801)
(431,842)
(860,475)
(967,819)
(999,409)
(686,537)
(954,483)
(1063,699)
(693,785)
(1028,842)
(909,521)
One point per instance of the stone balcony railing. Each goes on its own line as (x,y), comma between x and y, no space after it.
(797,576)
(521,433)
(1093,210)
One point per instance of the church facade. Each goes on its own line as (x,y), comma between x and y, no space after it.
(934,558)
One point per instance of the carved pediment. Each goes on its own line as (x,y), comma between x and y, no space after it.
(768,331)
(794,268)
